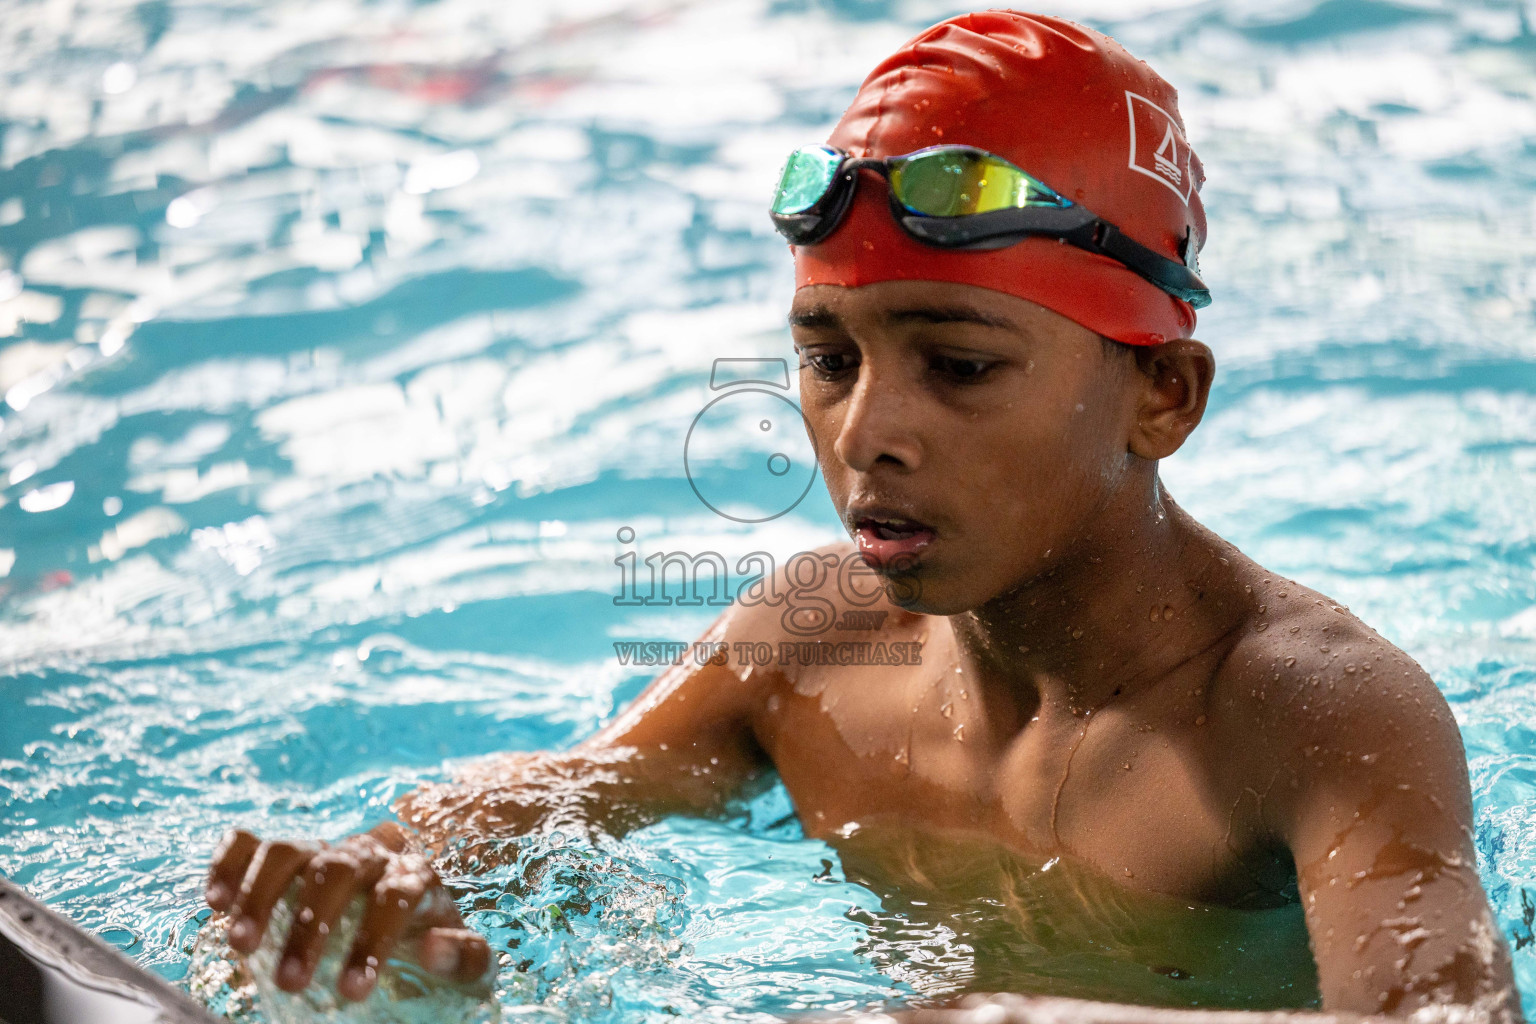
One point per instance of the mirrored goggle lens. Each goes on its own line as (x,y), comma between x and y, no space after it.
(806,178)
(957,182)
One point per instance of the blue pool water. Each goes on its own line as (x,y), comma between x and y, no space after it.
(339,340)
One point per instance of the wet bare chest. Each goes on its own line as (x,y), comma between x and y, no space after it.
(1132,794)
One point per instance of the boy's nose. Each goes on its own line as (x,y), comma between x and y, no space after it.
(877,427)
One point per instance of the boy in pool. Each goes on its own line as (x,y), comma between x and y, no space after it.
(996,350)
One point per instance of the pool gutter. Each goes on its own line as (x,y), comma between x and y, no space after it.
(54,972)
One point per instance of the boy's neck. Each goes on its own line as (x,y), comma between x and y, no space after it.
(1144,591)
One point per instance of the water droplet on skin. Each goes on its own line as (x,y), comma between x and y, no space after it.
(947,710)
(1199,719)
(1167,612)
(1156,614)
(1077,634)
(1128,873)
(960,732)
(1289,662)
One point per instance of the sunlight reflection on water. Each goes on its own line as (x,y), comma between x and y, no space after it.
(337,340)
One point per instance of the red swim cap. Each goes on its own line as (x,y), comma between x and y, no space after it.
(1068,105)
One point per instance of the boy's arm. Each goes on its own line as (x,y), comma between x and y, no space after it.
(1379,823)
(685,744)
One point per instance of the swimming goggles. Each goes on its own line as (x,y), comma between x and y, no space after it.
(960,197)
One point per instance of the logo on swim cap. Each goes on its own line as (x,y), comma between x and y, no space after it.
(1158,149)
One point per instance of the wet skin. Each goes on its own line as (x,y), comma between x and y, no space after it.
(1101,678)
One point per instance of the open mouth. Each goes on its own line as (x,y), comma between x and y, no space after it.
(890,541)
(901,529)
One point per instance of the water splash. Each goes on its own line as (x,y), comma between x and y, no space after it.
(242,988)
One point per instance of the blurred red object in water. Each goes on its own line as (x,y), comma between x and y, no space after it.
(54,580)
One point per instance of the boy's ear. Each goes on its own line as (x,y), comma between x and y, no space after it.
(1175,383)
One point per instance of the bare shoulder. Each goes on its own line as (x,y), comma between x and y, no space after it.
(1323,699)
(1355,765)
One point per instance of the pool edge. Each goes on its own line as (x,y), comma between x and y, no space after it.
(65,955)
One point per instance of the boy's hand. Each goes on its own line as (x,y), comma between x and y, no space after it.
(249,876)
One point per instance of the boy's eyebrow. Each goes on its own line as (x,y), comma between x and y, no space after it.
(821,316)
(959,314)
(815,316)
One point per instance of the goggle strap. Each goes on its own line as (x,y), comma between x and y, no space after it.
(998,225)
(1074,225)
(1171,276)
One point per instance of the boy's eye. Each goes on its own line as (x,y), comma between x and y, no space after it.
(827,364)
(960,369)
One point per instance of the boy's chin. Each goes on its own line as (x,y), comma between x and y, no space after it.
(942,587)
(924,592)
